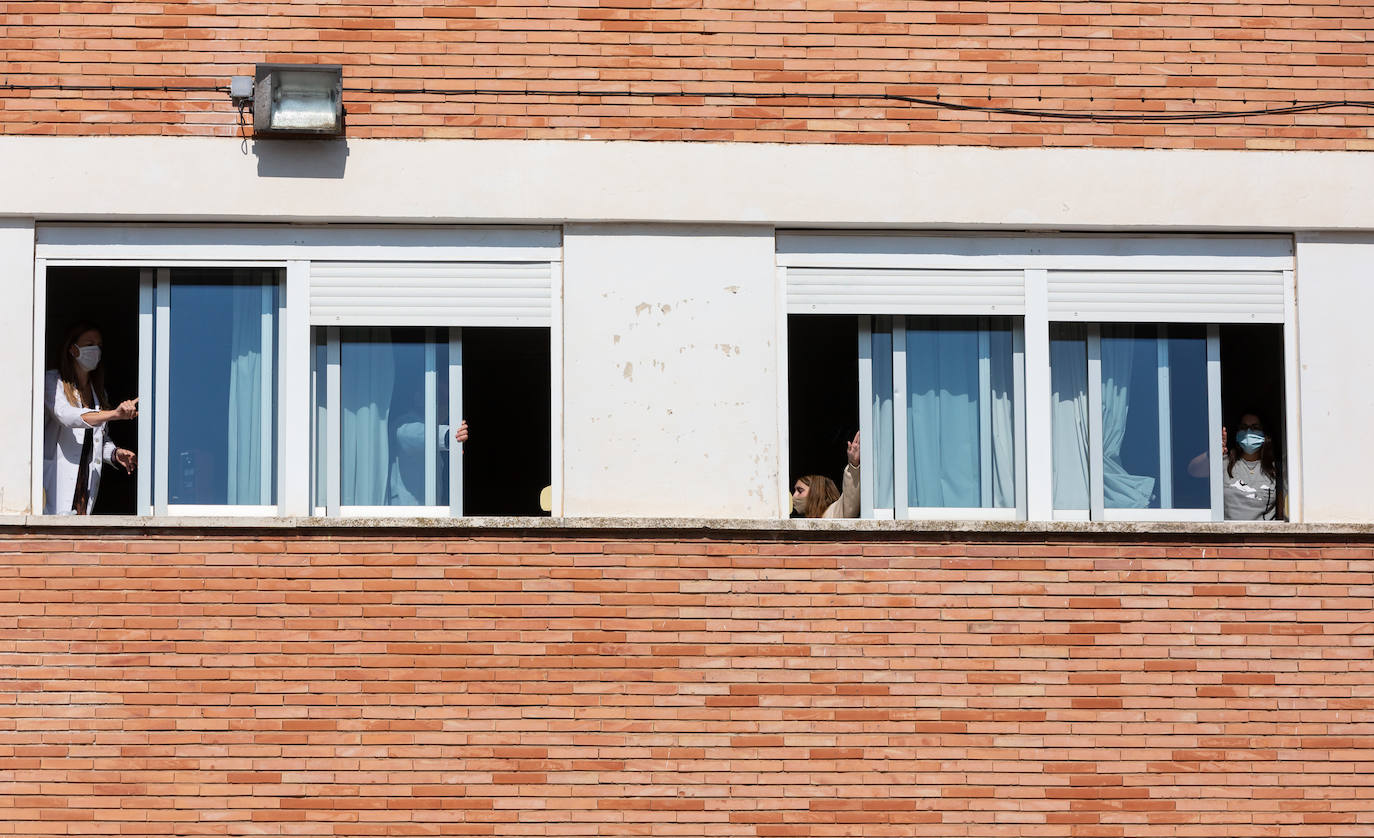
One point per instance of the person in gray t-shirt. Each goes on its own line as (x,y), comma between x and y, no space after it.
(1250,486)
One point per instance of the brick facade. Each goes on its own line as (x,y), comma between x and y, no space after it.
(1079,56)
(575,685)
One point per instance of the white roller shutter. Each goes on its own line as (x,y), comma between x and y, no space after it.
(904,291)
(1167,296)
(430,293)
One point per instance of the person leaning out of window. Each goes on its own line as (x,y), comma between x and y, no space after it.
(815,495)
(75,441)
(1250,486)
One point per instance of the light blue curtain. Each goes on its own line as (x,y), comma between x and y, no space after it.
(1069,417)
(1120,488)
(1002,402)
(367,379)
(319,458)
(882,414)
(943,422)
(252,328)
(422,375)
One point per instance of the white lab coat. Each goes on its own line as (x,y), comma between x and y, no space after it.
(63,432)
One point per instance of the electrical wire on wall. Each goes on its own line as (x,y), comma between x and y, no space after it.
(1138,117)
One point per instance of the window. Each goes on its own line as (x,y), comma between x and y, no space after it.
(939,399)
(1071,377)
(387,444)
(945,406)
(1133,405)
(383,434)
(216,386)
(109,299)
(284,369)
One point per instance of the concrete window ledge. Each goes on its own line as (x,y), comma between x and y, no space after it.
(15,525)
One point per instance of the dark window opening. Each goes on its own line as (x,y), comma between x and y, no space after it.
(823,393)
(1252,381)
(506,402)
(108,299)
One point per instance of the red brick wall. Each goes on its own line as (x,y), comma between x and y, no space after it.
(1085,56)
(699,687)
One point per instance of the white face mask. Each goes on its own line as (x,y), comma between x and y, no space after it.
(799,504)
(88,357)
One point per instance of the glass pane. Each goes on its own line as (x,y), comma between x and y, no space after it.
(1069,416)
(1188,431)
(960,447)
(882,413)
(1002,418)
(222,387)
(319,372)
(1130,417)
(394,400)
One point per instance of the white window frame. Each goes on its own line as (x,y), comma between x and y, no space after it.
(867,435)
(330,447)
(1097,509)
(154,373)
(1036,256)
(153,248)
(160,338)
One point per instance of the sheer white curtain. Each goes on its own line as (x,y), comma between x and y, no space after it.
(1120,488)
(882,414)
(1069,419)
(367,381)
(251,366)
(1002,381)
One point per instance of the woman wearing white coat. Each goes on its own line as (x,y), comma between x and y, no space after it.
(75,443)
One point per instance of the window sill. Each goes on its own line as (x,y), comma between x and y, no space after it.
(743,527)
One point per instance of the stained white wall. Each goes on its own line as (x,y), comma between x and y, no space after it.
(670,359)
(16,371)
(1335,281)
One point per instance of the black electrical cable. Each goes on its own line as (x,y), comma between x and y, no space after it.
(120,88)
(1075,116)
(1138,117)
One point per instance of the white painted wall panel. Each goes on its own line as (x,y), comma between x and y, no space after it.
(16,373)
(1335,284)
(670,371)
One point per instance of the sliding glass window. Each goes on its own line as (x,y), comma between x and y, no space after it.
(383,435)
(952,446)
(1134,407)
(214,335)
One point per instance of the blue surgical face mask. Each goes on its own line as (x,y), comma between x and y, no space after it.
(1250,441)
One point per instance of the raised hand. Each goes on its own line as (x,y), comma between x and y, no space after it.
(460,434)
(852,450)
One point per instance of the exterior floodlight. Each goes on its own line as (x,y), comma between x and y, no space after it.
(303,100)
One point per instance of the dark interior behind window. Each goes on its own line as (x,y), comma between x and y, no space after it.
(107,298)
(822,392)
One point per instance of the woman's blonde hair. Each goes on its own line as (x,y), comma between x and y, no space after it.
(820,494)
(66,367)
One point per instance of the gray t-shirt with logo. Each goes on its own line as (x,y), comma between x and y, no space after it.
(1248,493)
